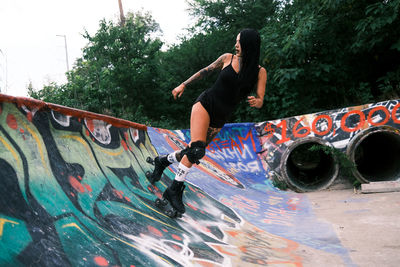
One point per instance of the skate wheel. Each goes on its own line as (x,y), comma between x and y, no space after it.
(148,174)
(161,202)
(171,213)
(149,160)
(158,202)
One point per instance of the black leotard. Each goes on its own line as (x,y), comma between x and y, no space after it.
(222,98)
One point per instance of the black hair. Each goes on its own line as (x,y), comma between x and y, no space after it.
(250,42)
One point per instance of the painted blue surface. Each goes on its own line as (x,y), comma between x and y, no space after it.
(286,214)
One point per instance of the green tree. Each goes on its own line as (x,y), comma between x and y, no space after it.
(319,55)
(116,74)
(232,15)
(329,54)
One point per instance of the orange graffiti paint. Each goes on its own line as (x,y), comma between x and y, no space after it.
(176,237)
(90,125)
(100,261)
(118,194)
(76,184)
(220,249)
(123,143)
(205,263)
(371,113)
(394,111)
(12,122)
(29,116)
(348,114)
(154,231)
(177,248)
(233,233)
(191,206)
(322,117)
(243,249)
(88,188)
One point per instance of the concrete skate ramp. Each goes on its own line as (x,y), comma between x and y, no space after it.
(74,193)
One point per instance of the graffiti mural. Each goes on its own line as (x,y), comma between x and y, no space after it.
(74,193)
(238,150)
(337,128)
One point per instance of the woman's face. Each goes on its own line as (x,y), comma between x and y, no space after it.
(237,46)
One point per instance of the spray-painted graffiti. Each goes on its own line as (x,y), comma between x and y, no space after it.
(74,192)
(348,121)
(337,127)
(236,148)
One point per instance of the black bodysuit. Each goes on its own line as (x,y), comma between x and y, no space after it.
(222,98)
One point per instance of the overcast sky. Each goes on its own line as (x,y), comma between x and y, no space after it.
(31,51)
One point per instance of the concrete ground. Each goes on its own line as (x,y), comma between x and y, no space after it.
(368,225)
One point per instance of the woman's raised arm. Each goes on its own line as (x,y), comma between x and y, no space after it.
(216,65)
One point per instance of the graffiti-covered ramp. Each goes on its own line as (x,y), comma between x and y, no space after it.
(74,193)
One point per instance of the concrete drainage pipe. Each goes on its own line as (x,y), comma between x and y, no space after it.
(305,170)
(376,154)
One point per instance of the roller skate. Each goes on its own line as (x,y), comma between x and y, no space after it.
(171,203)
(160,163)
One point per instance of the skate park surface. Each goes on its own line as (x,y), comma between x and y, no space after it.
(74,193)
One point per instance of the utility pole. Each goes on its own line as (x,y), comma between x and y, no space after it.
(66,57)
(66,49)
(121,13)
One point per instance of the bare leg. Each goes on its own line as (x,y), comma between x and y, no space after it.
(199,124)
(176,156)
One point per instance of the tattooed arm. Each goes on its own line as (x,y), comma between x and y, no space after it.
(216,65)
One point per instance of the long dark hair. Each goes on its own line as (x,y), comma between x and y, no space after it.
(250,42)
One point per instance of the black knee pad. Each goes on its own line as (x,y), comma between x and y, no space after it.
(196,151)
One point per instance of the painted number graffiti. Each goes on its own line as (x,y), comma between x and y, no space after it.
(298,130)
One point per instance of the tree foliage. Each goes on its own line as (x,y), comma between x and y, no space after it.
(232,15)
(117,72)
(329,54)
(319,54)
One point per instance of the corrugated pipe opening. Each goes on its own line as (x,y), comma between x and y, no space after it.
(376,154)
(305,170)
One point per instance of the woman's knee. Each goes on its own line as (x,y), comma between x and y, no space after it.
(194,152)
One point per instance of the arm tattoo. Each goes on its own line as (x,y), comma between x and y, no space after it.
(216,65)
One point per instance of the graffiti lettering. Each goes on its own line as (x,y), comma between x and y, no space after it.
(234,153)
(284,137)
(327,127)
(384,121)
(322,125)
(249,167)
(359,125)
(394,112)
